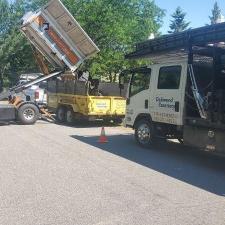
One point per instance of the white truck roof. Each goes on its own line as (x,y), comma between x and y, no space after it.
(58,36)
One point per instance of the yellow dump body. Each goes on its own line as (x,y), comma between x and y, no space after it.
(99,106)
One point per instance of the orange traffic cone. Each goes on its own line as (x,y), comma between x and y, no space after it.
(103,139)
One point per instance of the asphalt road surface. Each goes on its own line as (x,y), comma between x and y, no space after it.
(59,175)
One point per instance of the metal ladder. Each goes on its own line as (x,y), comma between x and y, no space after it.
(197,96)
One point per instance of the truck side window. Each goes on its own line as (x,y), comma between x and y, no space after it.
(169,77)
(140,82)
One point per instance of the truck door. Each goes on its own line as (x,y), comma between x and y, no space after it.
(138,94)
(167,101)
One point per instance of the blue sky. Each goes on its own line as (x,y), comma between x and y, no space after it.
(198,11)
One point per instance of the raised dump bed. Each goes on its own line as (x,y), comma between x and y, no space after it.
(60,39)
(58,36)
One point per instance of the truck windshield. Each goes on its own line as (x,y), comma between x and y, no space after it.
(140,82)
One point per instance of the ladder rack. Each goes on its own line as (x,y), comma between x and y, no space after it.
(202,37)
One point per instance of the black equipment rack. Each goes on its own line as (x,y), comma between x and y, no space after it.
(200,37)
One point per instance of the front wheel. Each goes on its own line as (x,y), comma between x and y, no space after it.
(28,114)
(144,133)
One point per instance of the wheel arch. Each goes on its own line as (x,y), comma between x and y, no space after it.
(141,116)
(28,102)
(66,106)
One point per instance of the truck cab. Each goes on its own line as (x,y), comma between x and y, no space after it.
(157,91)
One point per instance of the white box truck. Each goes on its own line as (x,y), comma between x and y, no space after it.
(182,94)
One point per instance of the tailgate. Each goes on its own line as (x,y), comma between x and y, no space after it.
(58,36)
(107,105)
(118,106)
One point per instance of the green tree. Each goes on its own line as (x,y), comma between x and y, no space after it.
(216,12)
(115,26)
(178,22)
(15,52)
(4,10)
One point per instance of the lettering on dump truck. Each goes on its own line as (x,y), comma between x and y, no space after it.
(165,102)
(101,105)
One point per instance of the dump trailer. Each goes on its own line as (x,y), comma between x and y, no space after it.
(60,39)
(182,94)
(77,100)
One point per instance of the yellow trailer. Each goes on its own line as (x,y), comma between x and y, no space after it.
(70,101)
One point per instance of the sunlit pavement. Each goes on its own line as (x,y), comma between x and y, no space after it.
(60,175)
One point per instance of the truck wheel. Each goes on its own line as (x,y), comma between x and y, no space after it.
(118,120)
(107,120)
(61,114)
(144,133)
(69,116)
(28,114)
(181,140)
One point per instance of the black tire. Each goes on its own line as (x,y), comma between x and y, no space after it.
(144,133)
(118,120)
(28,114)
(69,116)
(61,114)
(107,120)
(181,140)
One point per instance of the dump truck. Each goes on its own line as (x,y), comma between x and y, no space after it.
(182,94)
(60,39)
(57,38)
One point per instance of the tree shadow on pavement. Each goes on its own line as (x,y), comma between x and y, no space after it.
(197,168)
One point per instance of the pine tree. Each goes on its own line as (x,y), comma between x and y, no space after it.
(178,23)
(216,12)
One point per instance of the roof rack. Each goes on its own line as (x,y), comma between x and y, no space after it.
(201,37)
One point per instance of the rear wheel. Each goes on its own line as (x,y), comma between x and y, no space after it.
(118,120)
(181,140)
(144,133)
(69,116)
(28,114)
(61,114)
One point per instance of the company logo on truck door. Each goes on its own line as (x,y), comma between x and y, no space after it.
(166,102)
